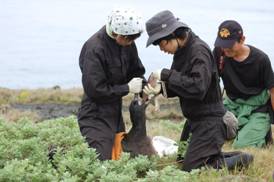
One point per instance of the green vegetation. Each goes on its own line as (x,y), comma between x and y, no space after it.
(25,144)
(24,148)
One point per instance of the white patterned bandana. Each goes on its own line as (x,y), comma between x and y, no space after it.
(125,22)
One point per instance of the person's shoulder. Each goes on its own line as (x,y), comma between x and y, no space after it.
(132,47)
(96,43)
(201,49)
(96,39)
(198,44)
(258,57)
(256,52)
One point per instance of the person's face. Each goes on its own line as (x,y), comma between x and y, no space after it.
(235,49)
(168,46)
(232,51)
(122,40)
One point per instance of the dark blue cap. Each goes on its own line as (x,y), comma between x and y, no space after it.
(229,32)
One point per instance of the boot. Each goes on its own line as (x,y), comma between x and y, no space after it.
(238,159)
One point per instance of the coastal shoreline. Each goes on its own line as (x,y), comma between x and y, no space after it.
(49,103)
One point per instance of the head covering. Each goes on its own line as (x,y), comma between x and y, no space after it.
(228,33)
(161,25)
(125,22)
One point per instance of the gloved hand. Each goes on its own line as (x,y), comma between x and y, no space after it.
(135,85)
(157,74)
(148,89)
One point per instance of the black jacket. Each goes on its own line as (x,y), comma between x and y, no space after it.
(106,69)
(194,79)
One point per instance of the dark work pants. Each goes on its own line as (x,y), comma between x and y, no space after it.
(99,126)
(207,139)
(186,131)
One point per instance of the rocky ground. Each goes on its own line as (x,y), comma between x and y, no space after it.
(42,104)
(50,110)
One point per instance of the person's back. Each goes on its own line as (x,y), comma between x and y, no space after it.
(117,70)
(203,99)
(110,69)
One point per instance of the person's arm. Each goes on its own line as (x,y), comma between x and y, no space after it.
(272,97)
(94,79)
(268,77)
(136,68)
(193,85)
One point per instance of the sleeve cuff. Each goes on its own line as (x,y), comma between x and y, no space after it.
(122,89)
(165,74)
(125,88)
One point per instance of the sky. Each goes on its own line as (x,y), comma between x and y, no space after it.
(41,39)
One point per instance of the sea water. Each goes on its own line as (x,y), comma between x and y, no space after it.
(40,40)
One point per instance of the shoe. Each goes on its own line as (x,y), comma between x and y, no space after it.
(239,160)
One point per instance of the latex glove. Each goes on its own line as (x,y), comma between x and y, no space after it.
(157,74)
(135,85)
(149,90)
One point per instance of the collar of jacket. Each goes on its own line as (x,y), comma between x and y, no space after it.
(190,39)
(108,38)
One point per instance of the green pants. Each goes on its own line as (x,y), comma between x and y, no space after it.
(253,132)
(253,126)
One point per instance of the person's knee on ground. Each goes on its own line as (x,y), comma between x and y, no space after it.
(188,166)
(102,149)
(252,134)
(214,161)
(205,144)
(102,145)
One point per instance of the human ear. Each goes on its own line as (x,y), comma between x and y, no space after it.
(242,39)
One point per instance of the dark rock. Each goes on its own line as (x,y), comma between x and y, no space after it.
(49,111)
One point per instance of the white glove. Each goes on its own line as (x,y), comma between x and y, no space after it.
(135,85)
(149,90)
(157,74)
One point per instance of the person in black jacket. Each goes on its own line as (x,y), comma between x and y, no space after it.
(110,69)
(193,77)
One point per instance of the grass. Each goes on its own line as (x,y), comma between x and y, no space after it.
(37,96)
(168,122)
(53,95)
(260,170)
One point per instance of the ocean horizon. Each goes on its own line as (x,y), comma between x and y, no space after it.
(41,39)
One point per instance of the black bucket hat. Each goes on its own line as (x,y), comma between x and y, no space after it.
(161,25)
(229,32)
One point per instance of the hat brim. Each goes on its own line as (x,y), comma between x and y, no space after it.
(219,42)
(164,32)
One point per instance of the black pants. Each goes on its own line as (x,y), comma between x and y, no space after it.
(207,139)
(98,124)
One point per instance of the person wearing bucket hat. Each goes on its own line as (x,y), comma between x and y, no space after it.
(111,68)
(163,25)
(193,77)
(248,80)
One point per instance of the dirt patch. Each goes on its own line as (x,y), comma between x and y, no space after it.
(49,111)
